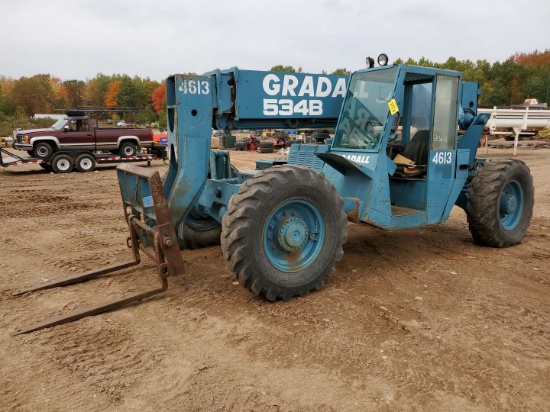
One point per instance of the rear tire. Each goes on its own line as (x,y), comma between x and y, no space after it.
(500,203)
(128,149)
(85,163)
(62,163)
(283,232)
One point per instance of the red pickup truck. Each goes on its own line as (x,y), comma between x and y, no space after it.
(77,132)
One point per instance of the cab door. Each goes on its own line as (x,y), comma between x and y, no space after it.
(77,135)
(442,158)
(429,138)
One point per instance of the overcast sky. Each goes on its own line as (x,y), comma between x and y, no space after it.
(78,39)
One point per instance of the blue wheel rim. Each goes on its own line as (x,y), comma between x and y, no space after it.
(294,235)
(511,205)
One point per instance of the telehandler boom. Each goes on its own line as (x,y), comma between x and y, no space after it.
(403,154)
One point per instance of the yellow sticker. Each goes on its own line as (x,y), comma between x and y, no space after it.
(392,104)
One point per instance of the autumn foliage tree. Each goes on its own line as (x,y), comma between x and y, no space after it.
(74,92)
(95,90)
(34,94)
(111,96)
(7,106)
(159,97)
(536,58)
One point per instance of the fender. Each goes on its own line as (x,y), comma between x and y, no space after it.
(126,138)
(37,139)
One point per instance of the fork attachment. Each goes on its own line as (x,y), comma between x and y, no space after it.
(151,232)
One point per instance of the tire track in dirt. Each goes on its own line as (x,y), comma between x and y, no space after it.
(110,359)
(44,204)
(84,253)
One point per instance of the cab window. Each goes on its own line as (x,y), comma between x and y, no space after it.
(365,109)
(445,113)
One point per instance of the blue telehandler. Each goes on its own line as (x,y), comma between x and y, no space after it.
(402,155)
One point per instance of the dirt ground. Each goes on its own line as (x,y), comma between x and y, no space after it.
(419,319)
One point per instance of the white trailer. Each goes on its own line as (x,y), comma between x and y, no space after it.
(518,120)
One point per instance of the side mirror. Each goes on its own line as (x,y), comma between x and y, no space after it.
(66,128)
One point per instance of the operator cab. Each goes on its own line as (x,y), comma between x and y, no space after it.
(399,125)
(421,120)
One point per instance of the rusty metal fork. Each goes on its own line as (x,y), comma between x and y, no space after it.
(159,242)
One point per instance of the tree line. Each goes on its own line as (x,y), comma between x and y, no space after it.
(44,93)
(521,76)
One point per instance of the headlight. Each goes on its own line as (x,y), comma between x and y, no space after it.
(370,62)
(26,139)
(383,59)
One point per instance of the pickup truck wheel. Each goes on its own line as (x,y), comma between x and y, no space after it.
(43,150)
(85,163)
(62,164)
(128,149)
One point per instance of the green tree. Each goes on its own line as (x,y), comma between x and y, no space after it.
(341,72)
(284,69)
(132,93)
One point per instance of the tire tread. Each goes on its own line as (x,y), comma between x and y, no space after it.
(236,227)
(482,207)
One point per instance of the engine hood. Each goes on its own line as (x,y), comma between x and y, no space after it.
(47,129)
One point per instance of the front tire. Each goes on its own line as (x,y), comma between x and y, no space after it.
(283,232)
(500,203)
(62,164)
(42,150)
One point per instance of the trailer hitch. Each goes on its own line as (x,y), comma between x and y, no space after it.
(151,232)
